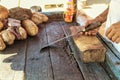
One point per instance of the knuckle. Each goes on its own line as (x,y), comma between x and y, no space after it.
(108,36)
(114,30)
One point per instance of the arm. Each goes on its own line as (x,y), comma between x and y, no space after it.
(113,32)
(103,16)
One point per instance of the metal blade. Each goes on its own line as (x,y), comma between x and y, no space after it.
(90,27)
(49,44)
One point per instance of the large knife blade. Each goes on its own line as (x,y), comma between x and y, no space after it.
(88,28)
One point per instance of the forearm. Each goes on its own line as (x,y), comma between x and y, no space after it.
(103,16)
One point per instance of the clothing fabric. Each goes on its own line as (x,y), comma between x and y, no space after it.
(113,17)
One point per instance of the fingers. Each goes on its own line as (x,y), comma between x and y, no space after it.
(86,24)
(114,38)
(110,34)
(93,34)
(90,33)
(117,40)
(108,31)
(113,34)
(81,33)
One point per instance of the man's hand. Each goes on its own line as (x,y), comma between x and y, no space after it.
(113,32)
(101,18)
(91,32)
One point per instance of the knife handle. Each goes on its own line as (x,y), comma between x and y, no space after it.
(93,26)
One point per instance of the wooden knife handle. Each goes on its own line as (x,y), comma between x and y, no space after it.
(93,26)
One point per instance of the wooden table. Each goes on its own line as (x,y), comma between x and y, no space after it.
(24,61)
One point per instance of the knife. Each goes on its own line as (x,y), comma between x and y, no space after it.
(88,28)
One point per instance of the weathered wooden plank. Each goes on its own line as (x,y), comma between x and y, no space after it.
(12,61)
(91,71)
(38,65)
(112,64)
(64,65)
(112,56)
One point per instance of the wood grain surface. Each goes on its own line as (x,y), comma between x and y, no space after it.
(24,61)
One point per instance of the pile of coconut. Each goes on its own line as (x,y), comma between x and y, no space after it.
(17,23)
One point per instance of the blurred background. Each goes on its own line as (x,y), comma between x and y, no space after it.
(91,7)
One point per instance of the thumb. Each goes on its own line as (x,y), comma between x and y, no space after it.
(86,24)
